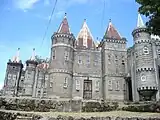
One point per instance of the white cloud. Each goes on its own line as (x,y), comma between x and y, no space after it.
(25,4)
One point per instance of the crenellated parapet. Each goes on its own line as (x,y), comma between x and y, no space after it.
(145,69)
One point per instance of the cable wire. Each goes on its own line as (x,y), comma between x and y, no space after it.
(103,14)
(49,22)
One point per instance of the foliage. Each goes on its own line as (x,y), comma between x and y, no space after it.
(146,107)
(99,107)
(151,9)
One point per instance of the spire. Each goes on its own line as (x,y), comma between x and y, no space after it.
(64,27)
(140,22)
(16,57)
(85,37)
(111,32)
(33,55)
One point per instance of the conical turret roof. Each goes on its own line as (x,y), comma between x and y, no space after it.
(140,23)
(64,26)
(111,32)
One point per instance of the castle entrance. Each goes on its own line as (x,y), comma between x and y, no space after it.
(87,89)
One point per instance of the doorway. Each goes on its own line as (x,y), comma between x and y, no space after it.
(87,89)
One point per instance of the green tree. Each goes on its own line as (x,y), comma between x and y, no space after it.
(151,9)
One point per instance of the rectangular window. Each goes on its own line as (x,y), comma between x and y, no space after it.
(66,55)
(124,87)
(88,59)
(54,54)
(110,85)
(9,76)
(117,85)
(51,84)
(158,51)
(14,77)
(65,82)
(79,60)
(77,84)
(97,85)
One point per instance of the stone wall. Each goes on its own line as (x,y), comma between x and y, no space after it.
(40,105)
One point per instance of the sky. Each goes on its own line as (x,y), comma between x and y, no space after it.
(23,23)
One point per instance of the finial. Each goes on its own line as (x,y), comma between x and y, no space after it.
(84,20)
(110,20)
(16,57)
(65,15)
(97,38)
(33,55)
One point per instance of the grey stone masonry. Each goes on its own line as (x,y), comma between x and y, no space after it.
(85,69)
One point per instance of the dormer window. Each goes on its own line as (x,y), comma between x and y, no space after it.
(145,50)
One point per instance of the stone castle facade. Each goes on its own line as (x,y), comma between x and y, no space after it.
(81,68)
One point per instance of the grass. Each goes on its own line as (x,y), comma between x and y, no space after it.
(95,114)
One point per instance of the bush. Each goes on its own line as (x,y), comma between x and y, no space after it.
(146,107)
(99,107)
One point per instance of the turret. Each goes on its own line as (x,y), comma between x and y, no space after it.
(30,72)
(13,73)
(61,63)
(145,77)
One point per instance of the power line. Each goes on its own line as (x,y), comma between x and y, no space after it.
(103,14)
(49,22)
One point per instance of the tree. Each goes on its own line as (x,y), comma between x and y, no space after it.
(151,9)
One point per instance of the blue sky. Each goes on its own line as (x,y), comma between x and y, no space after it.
(23,23)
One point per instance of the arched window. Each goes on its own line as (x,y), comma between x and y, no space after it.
(145,50)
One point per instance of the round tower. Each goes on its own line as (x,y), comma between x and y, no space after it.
(145,76)
(61,62)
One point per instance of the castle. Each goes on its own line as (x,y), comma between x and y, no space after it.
(80,68)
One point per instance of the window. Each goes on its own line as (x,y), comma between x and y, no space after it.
(116,57)
(23,91)
(123,66)
(9,76)
(143,78)
(65,82)
(46,77)
(66,55)
(79,60)
(77,84)
(97,85)
(110,85)
(54,54)
(51,84)
(124,87)
(158,51)
(117,86)
(145,50)
(109,59)
(88,59)
(14,77)
(123,62)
